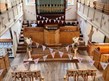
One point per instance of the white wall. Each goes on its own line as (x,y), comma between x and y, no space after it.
(97,36)
(6,35)
(71,12)
(29,11)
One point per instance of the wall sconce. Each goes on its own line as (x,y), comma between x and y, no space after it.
(97,29)
(2,18)
(85,20)
(20,20)
(108,20)
(96,19)
(4,26)
(104,22)
(9,19)
(90,19)
(14,20)
(103,17)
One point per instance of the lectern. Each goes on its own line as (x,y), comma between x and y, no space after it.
(51,34)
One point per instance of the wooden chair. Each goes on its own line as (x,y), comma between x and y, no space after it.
(77,73)
(27,76)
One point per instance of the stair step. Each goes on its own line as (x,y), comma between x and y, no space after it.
(21,32)
(21,35)
(21,39)
(24,25)
(22,29)
(21,51)
(21,48)
(21,44)
(81,35)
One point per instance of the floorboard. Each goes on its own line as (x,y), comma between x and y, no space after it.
(53,71)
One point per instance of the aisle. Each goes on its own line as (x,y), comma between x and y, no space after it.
(54,71)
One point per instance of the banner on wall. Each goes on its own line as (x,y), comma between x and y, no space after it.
(36,60)
(70,56)
(67,48)
(61,54)
(91,62)
(51,50)
(43,47)
(45,57)
(104,65)
(14,67)
(53,54)
(80,59)
(37,44)
(26,65)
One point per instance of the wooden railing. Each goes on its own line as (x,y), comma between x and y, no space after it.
(104,7)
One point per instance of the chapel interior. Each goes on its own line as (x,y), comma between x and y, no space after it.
(54,40)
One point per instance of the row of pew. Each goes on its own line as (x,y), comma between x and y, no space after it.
(100,53)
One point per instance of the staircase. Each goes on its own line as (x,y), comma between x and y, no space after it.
(21,49)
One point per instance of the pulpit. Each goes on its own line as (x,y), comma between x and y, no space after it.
(51,35)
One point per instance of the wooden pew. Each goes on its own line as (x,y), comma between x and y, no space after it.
(106,74)
(35,33)
(67,33)
(27,76)
(77,73)
(64,58)
(91,46)
(98,53)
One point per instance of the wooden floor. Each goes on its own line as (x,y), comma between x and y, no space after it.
(54,71)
